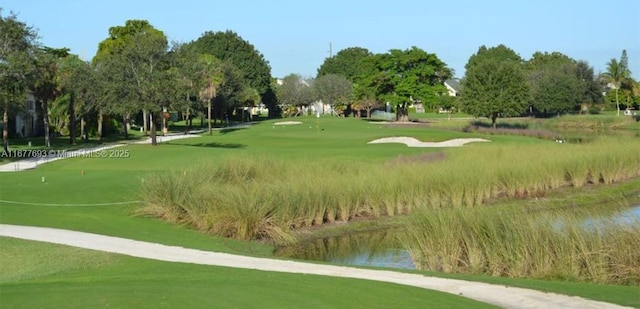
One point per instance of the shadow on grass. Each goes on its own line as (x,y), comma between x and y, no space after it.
(502,125)
(376,120)
(230,130)
(216,145)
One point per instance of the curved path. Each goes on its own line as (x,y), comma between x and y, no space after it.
(508,297)
(31,163)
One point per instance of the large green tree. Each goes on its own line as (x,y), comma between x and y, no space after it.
(230,92)
(193,77)
(73,78)
(44,86)
(346,62)
(553,82)
(495,84)
(229,47)
(592,90)
(401,77)
(333,89)
(139,52)
(18,43)
(146,67)
(558,90)
(293,93)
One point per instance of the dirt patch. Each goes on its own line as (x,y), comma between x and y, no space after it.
(404,124)
(421,158)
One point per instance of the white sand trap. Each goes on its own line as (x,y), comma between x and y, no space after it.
(286,123)
(413,142)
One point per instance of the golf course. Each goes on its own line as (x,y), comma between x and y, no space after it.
(246,190)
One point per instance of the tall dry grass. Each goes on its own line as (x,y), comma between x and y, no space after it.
(521,243)
(258,198)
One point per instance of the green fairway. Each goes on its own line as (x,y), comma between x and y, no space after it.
(102,196)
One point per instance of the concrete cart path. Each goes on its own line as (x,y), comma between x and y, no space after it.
(54,155)
(503,296)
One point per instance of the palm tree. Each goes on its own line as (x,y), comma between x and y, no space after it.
(209,79)
(207,94)
(616,73)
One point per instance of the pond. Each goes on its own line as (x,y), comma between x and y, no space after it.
(381,248)
(626,217)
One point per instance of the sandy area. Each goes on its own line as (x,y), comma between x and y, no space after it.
(413,142)
(286,123)
(500,295)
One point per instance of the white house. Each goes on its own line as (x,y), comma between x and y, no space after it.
(453,87)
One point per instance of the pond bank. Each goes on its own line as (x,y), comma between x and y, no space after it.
(366,244)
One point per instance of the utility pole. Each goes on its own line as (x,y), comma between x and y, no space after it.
(330,51)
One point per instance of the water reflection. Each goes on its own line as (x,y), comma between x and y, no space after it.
(626,217)
(379,248)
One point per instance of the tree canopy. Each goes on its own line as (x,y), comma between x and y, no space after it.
(346,62)
(18,43)
(402,77)
(229,47)
(332,89)
(617,72)
(553,82)
(495,84)
(138,52)
(294,92)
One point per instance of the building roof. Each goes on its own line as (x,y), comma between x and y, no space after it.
(453,83)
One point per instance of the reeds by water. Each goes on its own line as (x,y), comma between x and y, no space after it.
(519,243)
(265,198)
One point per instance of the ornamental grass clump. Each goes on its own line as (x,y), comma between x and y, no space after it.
(549,244)
(248,197)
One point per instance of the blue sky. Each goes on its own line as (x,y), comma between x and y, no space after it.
(294,36)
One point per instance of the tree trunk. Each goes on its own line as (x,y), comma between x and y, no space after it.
(83,133)
(125,121)
(165,130)
(145,121)
(209,116)
(100,120)
(187,122)
(617,103)
(72,120)
(45,121)
(402,115)
(152,124)
(5,128)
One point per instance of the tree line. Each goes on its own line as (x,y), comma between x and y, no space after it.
(137,74)
(497,83)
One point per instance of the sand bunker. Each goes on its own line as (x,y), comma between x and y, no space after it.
(285,123)
(412,142)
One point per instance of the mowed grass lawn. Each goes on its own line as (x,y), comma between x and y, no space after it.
(53,276)
(45,275)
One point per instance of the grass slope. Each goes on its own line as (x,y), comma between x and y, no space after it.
(117,281)
(37,275)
